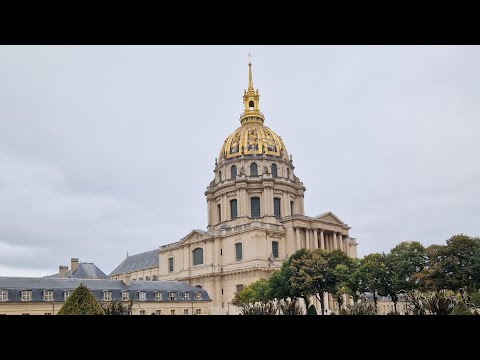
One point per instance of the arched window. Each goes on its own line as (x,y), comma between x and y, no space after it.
(276,207)
(198,286)
(233,209)
(198,256)
(292,205)
(274,170)
(255,207)
(253,169)
(233,172)
(219,213)
(238,251)
(251,105)
(275,249)
(288,173)
(219,176)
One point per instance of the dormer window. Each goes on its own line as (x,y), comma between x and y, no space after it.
(26,295)
(66,294)
(185,296)
(142,296)
(198,296)
(107,295)
(3,295)
(47,295)
(125,296)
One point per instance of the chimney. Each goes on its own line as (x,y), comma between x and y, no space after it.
(62,270)
(74,264)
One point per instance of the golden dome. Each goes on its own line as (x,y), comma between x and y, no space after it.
(252,138)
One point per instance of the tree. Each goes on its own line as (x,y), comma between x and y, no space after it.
(81,302)
(454,266)
(308,275)
(340,269)
(403,263)
(372,273)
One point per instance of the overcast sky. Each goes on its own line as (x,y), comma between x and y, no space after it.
(109,149)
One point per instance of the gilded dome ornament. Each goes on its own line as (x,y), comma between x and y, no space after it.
(252,137)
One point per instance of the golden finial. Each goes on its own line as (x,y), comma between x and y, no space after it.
(251,99)
(250,81)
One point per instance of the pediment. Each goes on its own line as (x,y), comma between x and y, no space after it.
(194,236)
(330,218)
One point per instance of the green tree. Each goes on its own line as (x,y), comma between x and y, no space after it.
(81,302)
(340,269)
(403,264)
(372,274)
(308,275)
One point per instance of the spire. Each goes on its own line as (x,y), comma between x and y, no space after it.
(251,99)
(250,81)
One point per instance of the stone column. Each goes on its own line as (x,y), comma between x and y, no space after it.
(297,238)
(322,240)
(339,239)
(285,204)
(334,236)
(315,239)
(307,238)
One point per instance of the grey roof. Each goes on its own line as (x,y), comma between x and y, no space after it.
(14,286)
(137,262)
(84,271)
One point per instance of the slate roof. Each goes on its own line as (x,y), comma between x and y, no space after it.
(84,271)
(137,262)
(14,286)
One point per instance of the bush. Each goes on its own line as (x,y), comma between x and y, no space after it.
(461,309)
(81,302)
(312,310)
(344,312)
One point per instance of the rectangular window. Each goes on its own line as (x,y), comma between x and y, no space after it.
(66,294)
(172,296)
(239,288)
(47,314)
(276,207)
(186,296)
(26,295)
(198,312)
(223,304)
(185,312)
(172,312)
(275,249)
(238,251)
(142,296)
(255,207)
(158,312)
(233,208)
(3,295)
(107,295)
(170,264)
(142,312)
(291,207)
(219,212)
(48,295)
(158,296)
(125,296)
(198,296)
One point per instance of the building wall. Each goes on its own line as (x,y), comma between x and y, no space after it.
(52,308)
